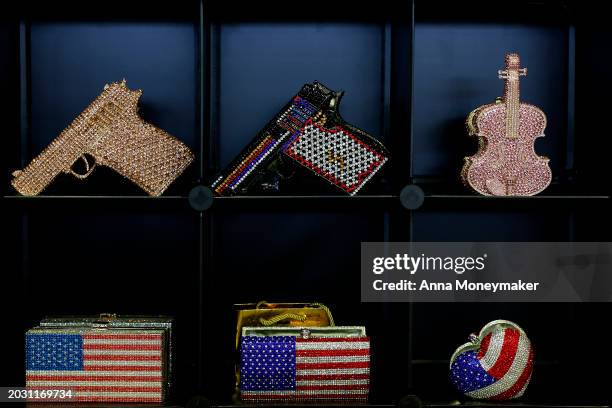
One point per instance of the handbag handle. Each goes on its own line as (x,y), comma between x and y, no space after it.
(294,316)
(284,316)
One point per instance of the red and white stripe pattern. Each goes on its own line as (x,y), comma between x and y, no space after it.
(114,366)
(326,368)
(499,370)
(506,355)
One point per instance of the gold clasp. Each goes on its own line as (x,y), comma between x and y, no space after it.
(104,319)
(284,316)
(107,317)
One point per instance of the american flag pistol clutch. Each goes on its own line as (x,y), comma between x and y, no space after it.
(104,359)
(260,157)
(345,156)
(309,130)
(308,363)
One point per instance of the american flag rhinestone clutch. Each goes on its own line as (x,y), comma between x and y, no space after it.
(98,363)
(315,363)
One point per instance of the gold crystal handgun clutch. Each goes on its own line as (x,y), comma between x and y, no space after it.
(110,131)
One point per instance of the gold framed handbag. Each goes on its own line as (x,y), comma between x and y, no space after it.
(266,314)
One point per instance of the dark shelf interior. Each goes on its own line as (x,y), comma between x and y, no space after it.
(430,404)
(510,404)
(164,204)
(549,203)
(415,401)
(172,204)
(213,73)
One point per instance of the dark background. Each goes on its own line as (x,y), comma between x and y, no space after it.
(213,73)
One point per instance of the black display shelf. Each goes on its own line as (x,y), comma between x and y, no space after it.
(526,11)
(91,203)
(305,404)
(95,405)
(406,402)
(392,202)
(314,203)
(298,405)
(509,404)
(416,403)
(303,203)
(489,203)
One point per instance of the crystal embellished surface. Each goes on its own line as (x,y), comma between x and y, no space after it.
(497,365)
(506,163)
(509,166)
(336,155)
(110,131)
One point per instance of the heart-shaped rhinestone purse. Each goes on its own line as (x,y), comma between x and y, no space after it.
(495,365)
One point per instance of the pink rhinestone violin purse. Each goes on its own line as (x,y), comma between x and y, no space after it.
(506,163)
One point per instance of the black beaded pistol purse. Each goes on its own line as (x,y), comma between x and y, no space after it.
(310,132)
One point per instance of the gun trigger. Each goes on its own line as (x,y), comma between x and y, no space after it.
(88,169)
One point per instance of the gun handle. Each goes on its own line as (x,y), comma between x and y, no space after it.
(148,156)
(57,158)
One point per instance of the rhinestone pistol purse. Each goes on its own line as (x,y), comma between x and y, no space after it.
(340,153)
(309,131)
(110,131)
